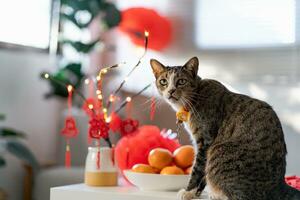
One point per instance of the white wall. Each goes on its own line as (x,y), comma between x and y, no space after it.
(21,100)
(272,75)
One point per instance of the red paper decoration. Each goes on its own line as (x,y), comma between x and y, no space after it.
(128,126)
(134,148)
(136,20)
(98,128)
(115,122)
(70,130)
(293,181)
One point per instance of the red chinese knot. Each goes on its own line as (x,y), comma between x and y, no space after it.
(98,128)
(128,126)
(70,129)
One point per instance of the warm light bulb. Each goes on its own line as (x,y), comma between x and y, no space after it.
(70,88)
(104,71)
(100,96)
(104,110)
(98,92)
(146,33)
(108,119)
(111,98)
(87,81)
(98,78)
(46,76)
(128,99)
(91,106)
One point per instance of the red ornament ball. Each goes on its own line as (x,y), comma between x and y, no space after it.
(137,20)
(134,148)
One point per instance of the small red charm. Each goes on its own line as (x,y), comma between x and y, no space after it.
(70,129)
(98,128)
(128,126)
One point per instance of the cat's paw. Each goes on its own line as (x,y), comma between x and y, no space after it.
(187,195)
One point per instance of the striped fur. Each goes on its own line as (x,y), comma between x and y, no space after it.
(239,139)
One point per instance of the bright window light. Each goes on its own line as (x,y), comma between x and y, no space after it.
(242,24)
(25,22)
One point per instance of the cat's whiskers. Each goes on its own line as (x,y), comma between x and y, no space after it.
(186,101)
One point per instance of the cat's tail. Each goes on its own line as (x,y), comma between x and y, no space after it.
(291,193)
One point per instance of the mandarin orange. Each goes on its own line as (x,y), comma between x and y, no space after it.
(172,170)
(160,158)
(143,168)
(184,156)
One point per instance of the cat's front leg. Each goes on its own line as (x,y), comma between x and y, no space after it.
(197,181)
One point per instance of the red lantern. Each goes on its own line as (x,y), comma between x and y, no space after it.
(137,20)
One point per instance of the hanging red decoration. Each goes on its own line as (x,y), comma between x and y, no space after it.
(70,130)
(115,123)
(134,148)
(152,108)
(136,20)
(98,128)
(128,126)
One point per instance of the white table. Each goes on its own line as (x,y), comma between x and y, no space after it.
(83,192)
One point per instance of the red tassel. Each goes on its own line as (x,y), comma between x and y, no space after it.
(152,108)
(68,157)
(98,154)
(128,109)
(98,159)
(113,155)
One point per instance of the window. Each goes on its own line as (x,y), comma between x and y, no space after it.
(244,24)
(25,22)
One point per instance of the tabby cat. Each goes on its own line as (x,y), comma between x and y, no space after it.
(239,140)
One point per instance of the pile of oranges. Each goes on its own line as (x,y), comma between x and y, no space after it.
(162,161)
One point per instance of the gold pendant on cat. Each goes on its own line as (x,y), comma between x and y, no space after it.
(182,115)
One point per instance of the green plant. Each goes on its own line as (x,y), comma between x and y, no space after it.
(79,13)
(10,142)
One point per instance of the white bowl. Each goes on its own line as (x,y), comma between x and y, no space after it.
(145,181)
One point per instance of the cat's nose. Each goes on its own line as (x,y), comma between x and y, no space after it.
(171,91)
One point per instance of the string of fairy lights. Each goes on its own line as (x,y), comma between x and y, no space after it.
(99,79)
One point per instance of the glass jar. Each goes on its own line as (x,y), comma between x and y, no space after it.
(100,169)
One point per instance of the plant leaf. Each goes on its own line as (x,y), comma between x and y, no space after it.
(82,47)
(8,132)
(2,162)
(112,16)
(2,116)
(22,152)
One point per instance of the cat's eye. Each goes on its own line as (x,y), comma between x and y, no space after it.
(163,82)
(181,81)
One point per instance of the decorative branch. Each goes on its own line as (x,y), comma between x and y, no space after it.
(146,34)
(128,99)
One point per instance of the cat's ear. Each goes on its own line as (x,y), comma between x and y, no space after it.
(192,66)
(157,67)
